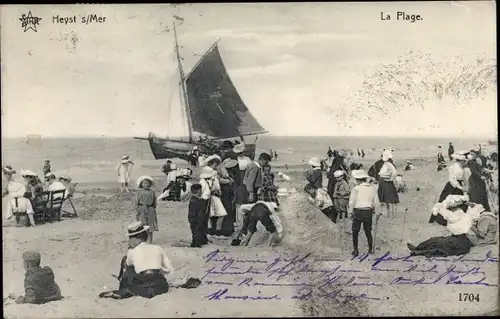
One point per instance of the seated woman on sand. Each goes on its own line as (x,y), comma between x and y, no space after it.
(34,187)
(19,206)
(143,270)
(456,177)
(180,189)
(475,228)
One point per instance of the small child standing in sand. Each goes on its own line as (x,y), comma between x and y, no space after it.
(146,205)
(198,217)
(341,193)
(362,203)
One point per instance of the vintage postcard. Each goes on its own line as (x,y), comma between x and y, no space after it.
(249,160)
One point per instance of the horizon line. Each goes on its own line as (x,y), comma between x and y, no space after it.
(271,135)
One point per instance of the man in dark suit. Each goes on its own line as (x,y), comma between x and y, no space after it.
(253,176)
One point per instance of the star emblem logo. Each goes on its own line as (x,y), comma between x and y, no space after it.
(29,22)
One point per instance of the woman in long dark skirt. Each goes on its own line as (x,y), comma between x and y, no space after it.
(240,191)
(338,164)
(227,195)
(453,245)
(477,182)
(387,192)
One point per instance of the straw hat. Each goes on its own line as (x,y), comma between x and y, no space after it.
(229,163)
(458,157)
(338,173)
(238,149)
(195,148)
(213,157)
(125,159)
(136,228)
(314,161)
(140,179)
(50,175)
(65,178)
(387,155)
(359,174)
(184,173)
(208,172)
(28,173)
(8,170)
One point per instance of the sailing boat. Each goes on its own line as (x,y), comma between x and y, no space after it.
(212,108)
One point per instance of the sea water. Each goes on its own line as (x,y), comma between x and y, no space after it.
(95,159)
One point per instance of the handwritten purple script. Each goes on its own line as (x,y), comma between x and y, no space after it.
(302,276)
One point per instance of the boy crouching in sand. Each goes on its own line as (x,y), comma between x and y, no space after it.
(198,217)
(265,213)
(362,203)
(39,284)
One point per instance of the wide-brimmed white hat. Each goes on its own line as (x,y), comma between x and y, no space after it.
(386,155)
(238,149)
(213,157)
(208,172)
(458,157)
(462,153)
(229,162)
(125,159)
(338,173)
(49,175)
(195,148)
(140,179)
(359,174)
(314,161)
(28,173)
(136,228)
(7,169)
(65,178)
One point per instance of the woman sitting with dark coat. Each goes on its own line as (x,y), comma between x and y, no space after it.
(142,271)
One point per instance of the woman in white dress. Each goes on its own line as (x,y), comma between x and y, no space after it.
(211,191)
(124,169)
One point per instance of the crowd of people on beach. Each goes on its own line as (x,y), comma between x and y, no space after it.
(469,199)
(24,199)
(236,193)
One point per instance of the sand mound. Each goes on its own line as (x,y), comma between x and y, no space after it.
(99,207)
(307,229)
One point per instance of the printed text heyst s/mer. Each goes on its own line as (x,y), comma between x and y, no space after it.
(90,18)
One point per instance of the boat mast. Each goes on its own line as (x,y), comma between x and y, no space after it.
(183,87)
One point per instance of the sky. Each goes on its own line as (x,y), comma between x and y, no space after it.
(293,64)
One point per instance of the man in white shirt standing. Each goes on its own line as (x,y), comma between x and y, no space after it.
(362,203)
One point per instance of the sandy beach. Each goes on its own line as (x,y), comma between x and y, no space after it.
(85,251)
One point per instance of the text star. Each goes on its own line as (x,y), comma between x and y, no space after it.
(29,22)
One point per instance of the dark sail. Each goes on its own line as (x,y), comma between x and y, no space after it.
(215,106)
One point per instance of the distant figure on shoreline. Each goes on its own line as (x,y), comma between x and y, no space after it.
(46,167)
(451,151)
(124,169)
(275,155)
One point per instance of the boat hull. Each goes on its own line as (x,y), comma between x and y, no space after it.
(163,148)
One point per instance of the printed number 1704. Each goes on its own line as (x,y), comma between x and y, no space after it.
(468,297)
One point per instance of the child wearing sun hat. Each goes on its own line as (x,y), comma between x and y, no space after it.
(146,205)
